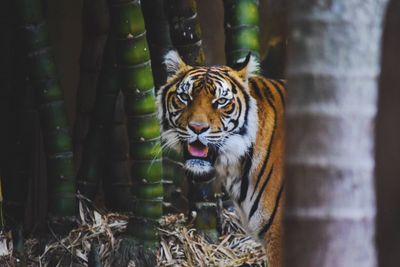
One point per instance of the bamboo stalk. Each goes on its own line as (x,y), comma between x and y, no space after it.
(7,27)
(93,165)
(133,60)
(158,37)
(19,246)
(94,257)
(20,148)
(241,29)
(49,96)
(185,30)
(95,27)
(202,203)
(20,137)
(118,184)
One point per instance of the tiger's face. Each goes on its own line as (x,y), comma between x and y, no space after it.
(206,113)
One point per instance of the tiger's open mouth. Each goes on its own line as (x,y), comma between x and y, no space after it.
(197,149)
(199,161)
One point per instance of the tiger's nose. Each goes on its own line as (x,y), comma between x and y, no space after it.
(198,127)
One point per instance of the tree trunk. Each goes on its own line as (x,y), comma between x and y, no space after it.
(332,70)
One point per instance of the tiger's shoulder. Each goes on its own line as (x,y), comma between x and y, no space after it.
(264,89)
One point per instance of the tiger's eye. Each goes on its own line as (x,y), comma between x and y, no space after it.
(222,101)
(184,97)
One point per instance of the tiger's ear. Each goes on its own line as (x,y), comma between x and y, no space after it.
(174,63)
(247,66)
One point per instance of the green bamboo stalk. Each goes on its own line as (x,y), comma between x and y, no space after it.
(186,37)
(158,37)
(49,96)
(241,30)
(185,30)
(174,181)
(203,207)
(133,60)
(95,28)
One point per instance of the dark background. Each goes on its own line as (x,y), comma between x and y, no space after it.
(388,142)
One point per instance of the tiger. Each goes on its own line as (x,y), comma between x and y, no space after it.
(228,123)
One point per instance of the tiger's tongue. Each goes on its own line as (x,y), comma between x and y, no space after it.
(198,150)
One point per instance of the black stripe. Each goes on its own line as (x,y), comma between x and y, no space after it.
(256,202)
(233,81)
(266,159)
(231,110)
(281,82)
(271,219)
(256,89)
(174,103)
(234,89)
(276,86)
(267,87)
(245,177)
(164,91)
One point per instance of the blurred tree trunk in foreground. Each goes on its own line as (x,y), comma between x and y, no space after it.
(332,70)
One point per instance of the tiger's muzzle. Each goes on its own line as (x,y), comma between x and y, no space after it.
(199,161)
